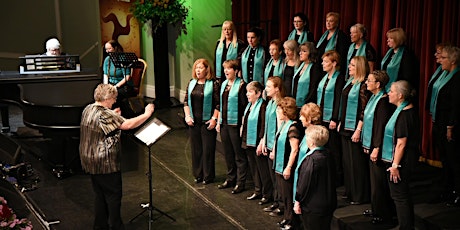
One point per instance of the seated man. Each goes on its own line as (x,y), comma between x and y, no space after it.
(53,47)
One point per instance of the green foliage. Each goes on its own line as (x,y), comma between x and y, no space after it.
(159,13)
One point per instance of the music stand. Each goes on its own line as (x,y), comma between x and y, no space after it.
(149,134)
(124,61)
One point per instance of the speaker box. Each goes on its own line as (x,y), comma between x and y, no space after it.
(10,151)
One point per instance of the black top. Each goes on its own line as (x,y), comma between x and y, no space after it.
(382,114)
(293,132)
(343,43)
(316,73)
(242,102)
(364,96)
(316,184)
(288,74)
(241,47)
(371,55)
(408,69)
(448,103)
(260,126)
(408,126)
(198,98)
(340,82)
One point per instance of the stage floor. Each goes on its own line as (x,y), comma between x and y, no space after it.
(193,206)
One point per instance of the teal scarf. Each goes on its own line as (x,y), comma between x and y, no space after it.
(331,43)
(232,105)
(360,52)
(393,66)
(352,105)
(270,124)
(368,120)
(328,95)
(437,86)
(259,58)
(278,71)
(388,136)
(439,69)
(207,101)
(232,53)
(302,38)
(282,135)
(303,85)
(301,159)
(253,120)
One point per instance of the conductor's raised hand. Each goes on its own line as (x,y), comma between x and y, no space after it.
(149,109)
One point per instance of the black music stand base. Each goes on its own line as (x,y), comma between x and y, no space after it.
(149,207)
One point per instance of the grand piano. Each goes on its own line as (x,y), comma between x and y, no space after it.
(52,103)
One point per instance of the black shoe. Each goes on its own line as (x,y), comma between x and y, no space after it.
(208,181)
(275,213)
(238,189)
(282,223)
(377,220)
(226,184)
(368,212)
(5,129)
(454,202)
(253,196)
(198,180)
(271,208)
(264,201)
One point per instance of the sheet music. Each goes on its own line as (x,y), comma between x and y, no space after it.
(152,131)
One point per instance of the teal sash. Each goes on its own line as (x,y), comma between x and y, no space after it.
(328,95)
(301,159)
(368,120)
(360,52)
(302,38)
(259,58)
(393,66)
(270,124)
(253,120)
(352,105)
(388,136)
(439,69)
(303,85)
(331,43)
(232,53)
(437,86)
(232,105)
(207,101)
(278,71)
(281,146)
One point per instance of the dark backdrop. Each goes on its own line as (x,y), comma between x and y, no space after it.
(426,22)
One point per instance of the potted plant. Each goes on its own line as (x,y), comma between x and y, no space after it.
(158,14)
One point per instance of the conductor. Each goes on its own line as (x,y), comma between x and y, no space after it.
(100,153)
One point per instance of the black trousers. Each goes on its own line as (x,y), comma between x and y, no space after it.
(335,148)
(203,145)
(236,160)
(250,152)
(381,203)
(315,221)
(276,190)
(355,170)
(264,173)
(448,152)
(4,112)
(400,194)
(108,190)
(286,188)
